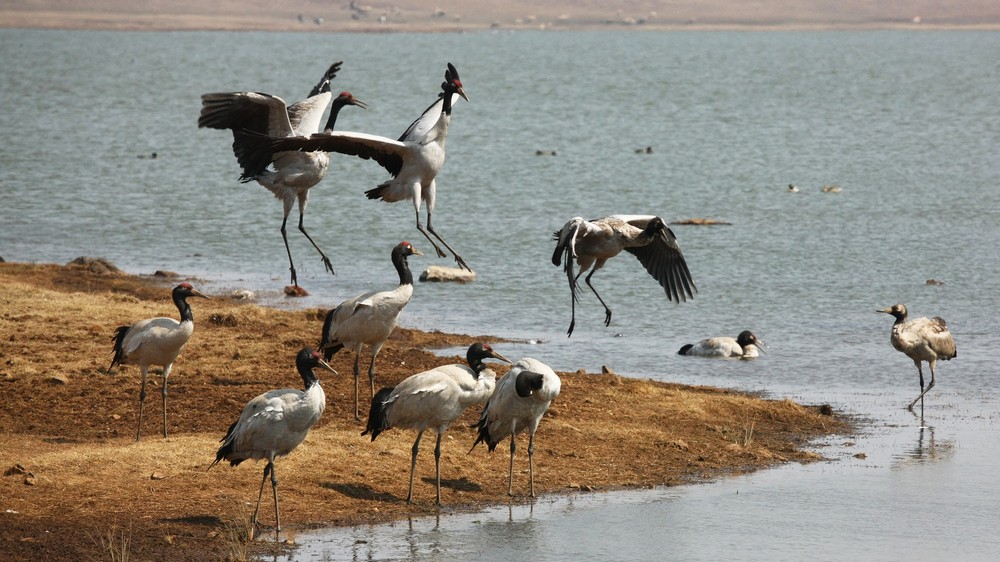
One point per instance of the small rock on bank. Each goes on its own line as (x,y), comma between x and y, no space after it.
(454,274)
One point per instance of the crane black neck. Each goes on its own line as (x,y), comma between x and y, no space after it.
(305,363)
(402,267)
(180,299)
(331,121)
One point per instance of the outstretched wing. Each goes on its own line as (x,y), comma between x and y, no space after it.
(253,117)
(387,152)
(307,115)
(664,261)
(248,111)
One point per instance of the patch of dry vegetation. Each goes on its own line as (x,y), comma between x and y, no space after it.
(70,426)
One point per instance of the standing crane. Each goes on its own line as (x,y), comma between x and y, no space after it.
(521,398)
(432,400)
(273,424)
(369,318)
(745,346)
(413,160)
(921,339)
(156,341)
(252,116)
(647,237)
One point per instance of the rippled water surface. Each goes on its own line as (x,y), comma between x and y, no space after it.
(907,124)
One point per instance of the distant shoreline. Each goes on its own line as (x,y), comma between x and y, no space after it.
(101,21)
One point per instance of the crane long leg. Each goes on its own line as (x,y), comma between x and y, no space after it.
(531,460)
(413,464)
(574,295)
(458,258)
(253,520)
(437,249)
(291,264)
(437,468)
(163,392)
(510,471)
(607,310)
(371,368)
(274,488)
(326,260)
(922,389)
(357,372)
(142,399)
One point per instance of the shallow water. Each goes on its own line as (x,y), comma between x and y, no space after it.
(906,123)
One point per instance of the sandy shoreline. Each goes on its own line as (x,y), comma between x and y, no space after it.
(74,473)
(482,15)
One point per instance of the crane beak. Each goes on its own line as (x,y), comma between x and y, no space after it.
(197,293)
(761,345)
(496,355)
(461,92)
(885,310)
(327,366)
(359,103)
(415,251)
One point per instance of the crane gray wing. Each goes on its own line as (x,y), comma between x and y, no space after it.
(387,152)
(423,124)
(307,115)
(249,111)
(664,261)
(252,117)
(324,84)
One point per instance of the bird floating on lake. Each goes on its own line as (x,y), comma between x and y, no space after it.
(156,341)
(369,318)
(647,237)
(745,346)
(253,116)
(521,398)
(432,400)
(414,159)
(273,424)
(921,339)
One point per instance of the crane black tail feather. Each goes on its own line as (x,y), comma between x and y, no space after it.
(119,350)
(378,420)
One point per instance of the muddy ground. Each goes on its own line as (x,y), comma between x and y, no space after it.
(76,483)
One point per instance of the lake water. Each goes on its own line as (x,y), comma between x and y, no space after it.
(906,123)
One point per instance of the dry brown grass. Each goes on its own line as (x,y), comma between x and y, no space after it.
(71,427)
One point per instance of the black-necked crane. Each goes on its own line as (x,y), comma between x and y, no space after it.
(921,339)
(369,318)
(744,346)
(432,400)
(253,116)
(647,237)
(414,159)
(156,341)
(521,398)
(275,423)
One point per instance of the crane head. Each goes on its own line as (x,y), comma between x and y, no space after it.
(452,83)
(346,98)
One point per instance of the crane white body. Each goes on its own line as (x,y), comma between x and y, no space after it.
(433,400)
(592,243)
(255,117)
(273,424)
(921,339)
(156,341)
(744,346)
(521,398)
(369,319)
